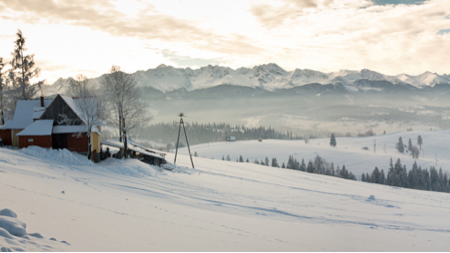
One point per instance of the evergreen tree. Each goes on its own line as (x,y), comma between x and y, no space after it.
(363,177)
(256,161)
(228,158)
(382,177)
(241,159)
(419,141)
(310,167)
(267,161)
(332,140)
(400,146)
(410,146)
(2,90)
(223,158)
(303,165)
(247,160)
(22,70)
(195,154)
(274,162)
(283,166)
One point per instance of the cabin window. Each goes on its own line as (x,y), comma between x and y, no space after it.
(30,140)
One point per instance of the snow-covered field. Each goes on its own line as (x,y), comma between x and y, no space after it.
(348,150)
(125,205)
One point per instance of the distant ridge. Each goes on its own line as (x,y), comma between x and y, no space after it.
(269,77)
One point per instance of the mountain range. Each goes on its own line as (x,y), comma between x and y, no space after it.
(272,77)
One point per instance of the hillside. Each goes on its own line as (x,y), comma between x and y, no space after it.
(218,206)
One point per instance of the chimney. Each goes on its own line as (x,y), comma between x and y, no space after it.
(42,101)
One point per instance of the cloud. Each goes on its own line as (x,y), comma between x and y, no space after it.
(103,16)
(271,15)
(187,61)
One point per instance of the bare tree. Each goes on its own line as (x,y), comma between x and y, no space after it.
(122,93)
(88,105)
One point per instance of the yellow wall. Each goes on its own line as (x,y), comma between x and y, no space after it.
(96,139)
(15,138)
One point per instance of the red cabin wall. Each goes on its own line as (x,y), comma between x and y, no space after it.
(6,137)
(41,141)
(77,144)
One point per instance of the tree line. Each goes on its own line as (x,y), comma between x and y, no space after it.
(416,178)
(210,132)
(318,166)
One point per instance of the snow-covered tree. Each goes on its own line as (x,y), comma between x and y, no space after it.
(90,107)
(241,160)
(123,96)
(2,90)
(419,141)
(332,140)
(400,146)
(22,71)
(415,152)
(275,162)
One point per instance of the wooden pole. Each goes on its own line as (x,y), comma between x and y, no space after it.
(187,143)
(178,141)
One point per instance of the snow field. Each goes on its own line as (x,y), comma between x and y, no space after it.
(348,151)
(125,205)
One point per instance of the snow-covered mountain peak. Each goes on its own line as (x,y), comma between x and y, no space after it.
(267,76)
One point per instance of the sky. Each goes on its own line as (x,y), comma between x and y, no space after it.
(70,37)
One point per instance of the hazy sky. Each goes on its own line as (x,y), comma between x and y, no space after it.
(88,36)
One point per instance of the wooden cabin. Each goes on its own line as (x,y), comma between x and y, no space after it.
(54,124)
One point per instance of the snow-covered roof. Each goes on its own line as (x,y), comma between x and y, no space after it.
(132,147)
(74,104)
(23,116)
(69,129)
(39,127)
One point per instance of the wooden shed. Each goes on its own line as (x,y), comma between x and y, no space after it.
(39,133)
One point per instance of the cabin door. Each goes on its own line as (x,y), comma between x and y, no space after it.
(59,141)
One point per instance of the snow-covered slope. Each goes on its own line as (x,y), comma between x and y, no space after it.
(117,205)
(269,76)
(348,151)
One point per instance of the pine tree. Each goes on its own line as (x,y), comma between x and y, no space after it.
(363,177)
(22,71)
(283,166)
(400,146)
(223,158)
(419,141)
(410,146)
(303,165)
(310,167)
(2,90)
(332,140)
(247,160)
(267,161)
(241,159)
(228,158)
(256,161)
(274,162)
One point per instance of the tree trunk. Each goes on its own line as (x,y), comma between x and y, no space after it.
(89,145)
(120,127)
(125,144)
